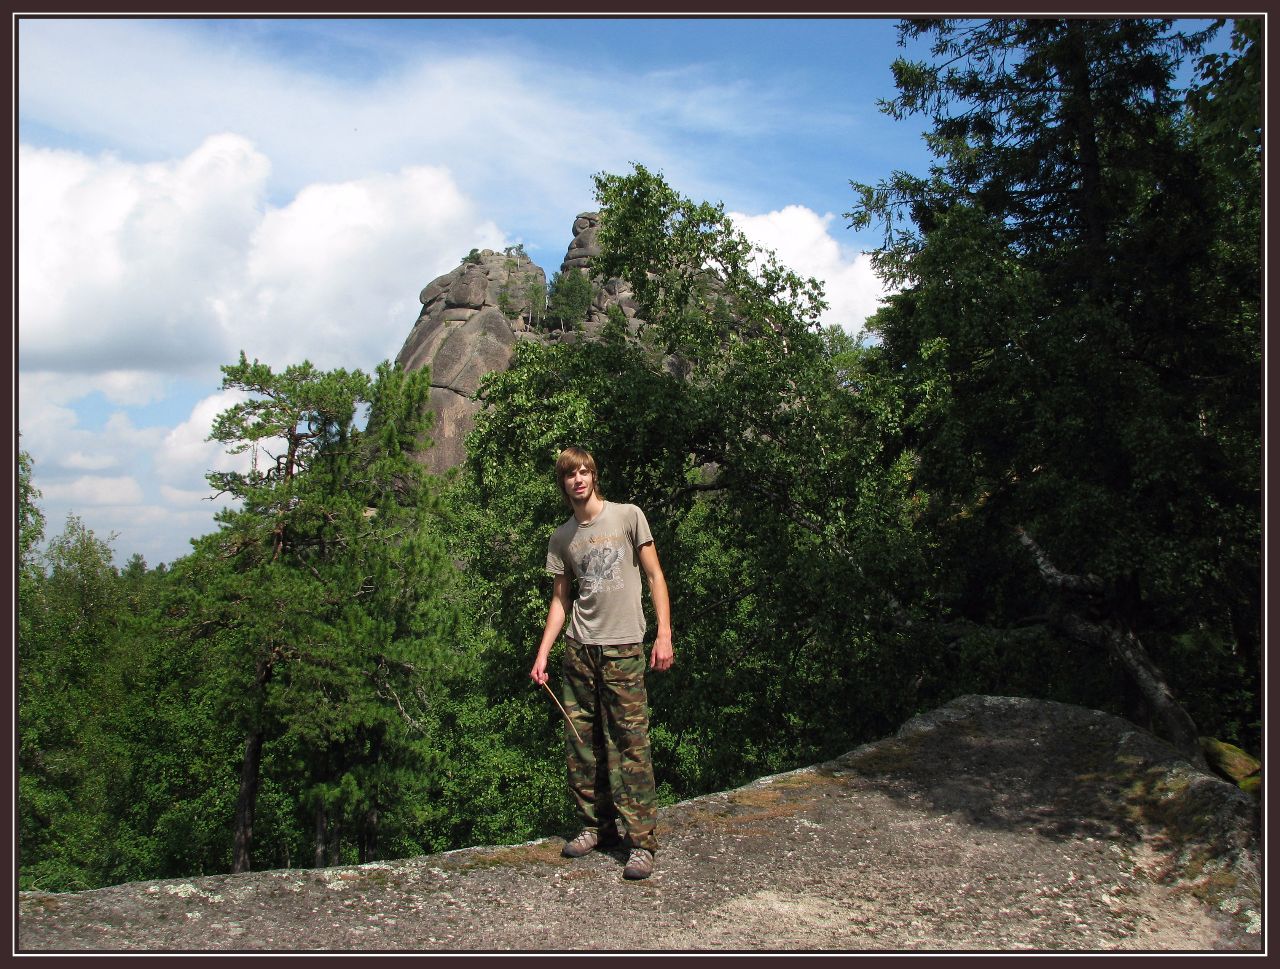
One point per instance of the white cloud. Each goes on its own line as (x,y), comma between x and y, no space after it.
(79,461)
(124,388)
(60,446)
(149,270)
(95,490)
(802,241)
(118,261)
(185,456)
(131,387)
(43,417)
(334,276)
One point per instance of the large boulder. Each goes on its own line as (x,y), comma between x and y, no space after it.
(584,246)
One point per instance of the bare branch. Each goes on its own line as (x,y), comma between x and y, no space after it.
(1089,584)
(1176,724)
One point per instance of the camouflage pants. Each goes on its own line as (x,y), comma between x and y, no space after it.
(610,768)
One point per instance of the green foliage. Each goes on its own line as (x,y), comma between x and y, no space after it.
(1224,105)
(536,297)
(506,302)
(569,299)
(30,518)
(694,275)
(521,294)
(323,596)
(472,258)
(773,491)
(1079,291)
(67,691)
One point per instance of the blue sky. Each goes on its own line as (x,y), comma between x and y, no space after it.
(191,188)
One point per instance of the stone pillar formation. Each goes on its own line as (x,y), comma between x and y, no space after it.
(471,319)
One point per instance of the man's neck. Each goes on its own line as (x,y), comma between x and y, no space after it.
(585,511)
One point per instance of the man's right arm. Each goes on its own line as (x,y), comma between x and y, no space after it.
(556,615)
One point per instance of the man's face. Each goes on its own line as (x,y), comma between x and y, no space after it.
(579,482)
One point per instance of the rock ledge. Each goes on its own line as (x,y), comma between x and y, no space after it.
(992,823)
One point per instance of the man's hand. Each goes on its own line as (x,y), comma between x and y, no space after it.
(539,672)
(663,654)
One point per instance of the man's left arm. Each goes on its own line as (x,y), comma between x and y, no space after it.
(662,655)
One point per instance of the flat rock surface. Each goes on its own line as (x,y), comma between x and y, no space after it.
(989,824)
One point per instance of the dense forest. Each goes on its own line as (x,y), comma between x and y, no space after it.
(1040,476)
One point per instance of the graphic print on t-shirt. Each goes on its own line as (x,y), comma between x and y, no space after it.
(600,568)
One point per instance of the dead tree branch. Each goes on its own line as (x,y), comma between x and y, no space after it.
(1176,725)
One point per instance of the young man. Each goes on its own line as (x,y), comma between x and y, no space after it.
(604,547)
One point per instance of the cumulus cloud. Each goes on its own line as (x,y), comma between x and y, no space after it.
(149,270)
(80,461)
(334,276)
(61,447)
(95,490)
(118,261)
(185,456)
(802,240)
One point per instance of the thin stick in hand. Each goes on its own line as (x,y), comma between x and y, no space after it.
(562,710)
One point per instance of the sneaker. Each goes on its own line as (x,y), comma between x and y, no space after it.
(639,865)
(582,844)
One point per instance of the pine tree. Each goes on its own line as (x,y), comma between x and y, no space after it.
(1062,327)
(323,594)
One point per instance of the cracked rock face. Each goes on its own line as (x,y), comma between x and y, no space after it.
(472,318)
(468,326)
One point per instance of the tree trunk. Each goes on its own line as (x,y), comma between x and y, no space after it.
(369,837)
(321,829)
(250,771)
(333,843)
(1176,725)
(246,803)
(1082,119)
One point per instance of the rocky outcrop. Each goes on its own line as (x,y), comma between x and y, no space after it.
(582,251)
(470,320)
(992,823)
(473,316)
(584,247)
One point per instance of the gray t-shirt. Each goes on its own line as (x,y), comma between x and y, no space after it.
(603,558)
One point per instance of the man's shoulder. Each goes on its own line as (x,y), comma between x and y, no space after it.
(635,520)
(568,526)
